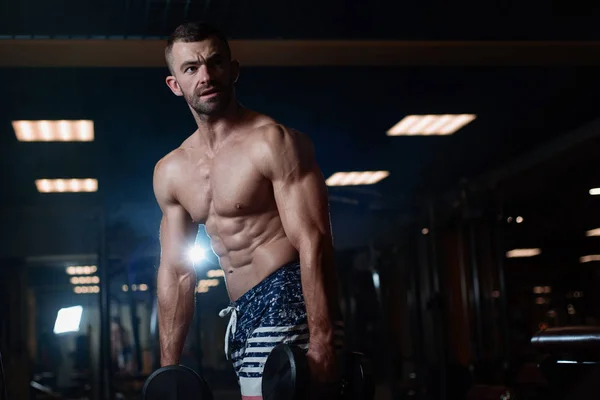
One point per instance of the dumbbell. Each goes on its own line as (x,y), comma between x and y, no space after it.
(286,376)
(176,382)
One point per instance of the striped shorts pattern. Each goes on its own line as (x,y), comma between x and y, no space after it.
(271,313)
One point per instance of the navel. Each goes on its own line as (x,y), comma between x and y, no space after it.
(238,206)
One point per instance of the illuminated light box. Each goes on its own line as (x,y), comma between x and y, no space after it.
(54,131)
(81,269)
(356,178)
(68,320)
(589,258)
(593,232)
(430,125)
(66,185)
(518,253)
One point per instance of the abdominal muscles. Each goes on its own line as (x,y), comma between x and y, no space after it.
(249,247)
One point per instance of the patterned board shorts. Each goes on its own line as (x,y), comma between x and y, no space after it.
(270,313)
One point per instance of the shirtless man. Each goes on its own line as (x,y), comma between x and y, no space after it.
(258,190)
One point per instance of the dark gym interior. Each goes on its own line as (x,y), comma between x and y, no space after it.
(469,271)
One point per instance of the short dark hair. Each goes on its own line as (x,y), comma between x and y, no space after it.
(195,31)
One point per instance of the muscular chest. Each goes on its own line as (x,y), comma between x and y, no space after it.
(228,185)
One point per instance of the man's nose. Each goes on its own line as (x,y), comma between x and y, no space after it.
(205,74)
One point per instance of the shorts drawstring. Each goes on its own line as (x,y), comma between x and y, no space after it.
(231,326)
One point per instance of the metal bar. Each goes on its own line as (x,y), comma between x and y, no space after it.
(154,334)
(440,321)
(136,330)
(61,260)
(476,292)
(416,313)
(106,376)
(464,291)
(376,270)
(349,315)
(289,53)
(133,312)
(504,319)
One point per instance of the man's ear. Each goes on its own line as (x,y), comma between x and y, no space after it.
(173,85)
(235,70)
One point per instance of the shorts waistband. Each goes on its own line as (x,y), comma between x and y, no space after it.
(247,297)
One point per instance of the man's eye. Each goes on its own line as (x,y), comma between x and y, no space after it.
(216,62)
(190,69)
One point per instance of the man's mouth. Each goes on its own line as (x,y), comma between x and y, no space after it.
(209,93)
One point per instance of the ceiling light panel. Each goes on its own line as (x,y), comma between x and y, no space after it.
(54,131)
(430,125)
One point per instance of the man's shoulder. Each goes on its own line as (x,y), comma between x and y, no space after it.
(276,135)
(166,171)
(276,147)
(176,158)
(170,163)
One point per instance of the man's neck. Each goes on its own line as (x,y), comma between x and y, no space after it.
(214,130)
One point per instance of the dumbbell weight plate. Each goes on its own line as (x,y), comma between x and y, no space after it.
(358,382)
(176,382)
(285,374)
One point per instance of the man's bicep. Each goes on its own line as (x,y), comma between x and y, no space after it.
(177,229)
(177,234)
(287,158)
(303,207)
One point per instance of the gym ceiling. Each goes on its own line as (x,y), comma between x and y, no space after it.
(343,72)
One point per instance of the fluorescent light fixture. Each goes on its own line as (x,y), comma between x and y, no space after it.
(590,258)
(54,131)
(542,289)
(196,254)
(68,319)
(595,191)
(208,282)
(82,269)
(205,284)
(215,273)
(518,253)
(593,232)
(66,185)
(86,289)
(85,280)
(135,288)
(356,178)
(429,125)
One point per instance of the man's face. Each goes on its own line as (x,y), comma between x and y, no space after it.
(203,74)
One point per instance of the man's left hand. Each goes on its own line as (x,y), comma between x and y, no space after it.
(323,364)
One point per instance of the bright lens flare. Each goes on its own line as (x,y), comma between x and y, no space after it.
(196,254)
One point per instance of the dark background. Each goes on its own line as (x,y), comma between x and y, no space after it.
(452,313)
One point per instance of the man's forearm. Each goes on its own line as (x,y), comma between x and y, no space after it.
(319,287)
(175,311)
